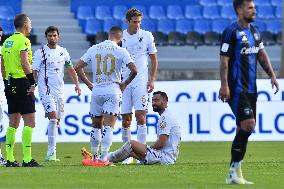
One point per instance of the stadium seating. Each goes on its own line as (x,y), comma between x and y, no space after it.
(157,12)
(265,12)
(193,11)
(119,12)
(84,13)
(174,12)
(103,12)
(211,12)
(7,26)
(7,13)
(191,22)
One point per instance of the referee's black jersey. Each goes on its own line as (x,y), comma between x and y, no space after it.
(241,44)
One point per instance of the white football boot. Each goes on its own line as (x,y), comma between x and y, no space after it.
(235,176)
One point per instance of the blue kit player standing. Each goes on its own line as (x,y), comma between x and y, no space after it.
(241,49)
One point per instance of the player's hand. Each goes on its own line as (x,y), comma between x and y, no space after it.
(275,83)
(91,86)
(31,89)
(78,90)
(224,93)
(122,86)
(150,86)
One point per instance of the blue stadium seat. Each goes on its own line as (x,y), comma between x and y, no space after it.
(157,12)
(219,25)
(166,26)
(278,12)
(110,23)
(143,9)
(124,25)
(202,26)
(265,12)
(7,13)
(84,13)
(188,2)
(103,12)
(149,25)
(184,26)
(274,26)
(7,26)
(93,26)
(228,12)
(260,25)
(276,2)
(208,2)
(193,12)
(211,11)
(119,12)
(224,2)
(15,4)
(174,12)
(262,2)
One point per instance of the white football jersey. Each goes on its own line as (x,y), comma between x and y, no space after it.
(107,59)
(168,125)
(2,94)
(139,46)
(51,71)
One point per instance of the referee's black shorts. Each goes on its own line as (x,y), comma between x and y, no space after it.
(18,99)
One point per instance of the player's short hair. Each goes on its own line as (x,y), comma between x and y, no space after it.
(115,31)
(20,20)
(133,12)
(238,3)
(51,29)
(163,95)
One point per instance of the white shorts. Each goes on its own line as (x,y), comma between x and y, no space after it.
(108,104)
(135,96)
(53,104)
(154,156)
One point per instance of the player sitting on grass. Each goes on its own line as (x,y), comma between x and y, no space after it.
(165,150)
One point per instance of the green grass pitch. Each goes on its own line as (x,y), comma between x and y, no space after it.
(200,165)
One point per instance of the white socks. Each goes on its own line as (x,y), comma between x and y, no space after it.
(106,142)
(0,153)
(141,133)
(120,154)
(95,140)
(51,132)
(126,134)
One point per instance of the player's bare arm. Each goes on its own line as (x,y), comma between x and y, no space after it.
(224,92)
(161,142)
(265,63)
(133,72)
(81,74)
(72,73)
(153,72)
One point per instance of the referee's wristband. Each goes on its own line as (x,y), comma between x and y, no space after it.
(31,79)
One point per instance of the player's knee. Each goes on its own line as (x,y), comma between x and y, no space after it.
(126,121)
(141,119)
(248,125)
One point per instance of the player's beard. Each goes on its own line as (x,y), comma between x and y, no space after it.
(157,109)
(250,19)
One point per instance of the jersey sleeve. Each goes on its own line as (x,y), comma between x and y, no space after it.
(126,59)
(151,47)
(37,59)
(164,126)
(87,56)
(25,45)
(228,39)
(67,59)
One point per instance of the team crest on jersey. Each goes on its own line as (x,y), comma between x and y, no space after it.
(242,33)
(244,39)
(9,44)
(140,39)
(163,125)
(61,53)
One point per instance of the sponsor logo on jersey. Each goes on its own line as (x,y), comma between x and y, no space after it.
(250,50)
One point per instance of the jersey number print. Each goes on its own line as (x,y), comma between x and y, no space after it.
(105,64)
